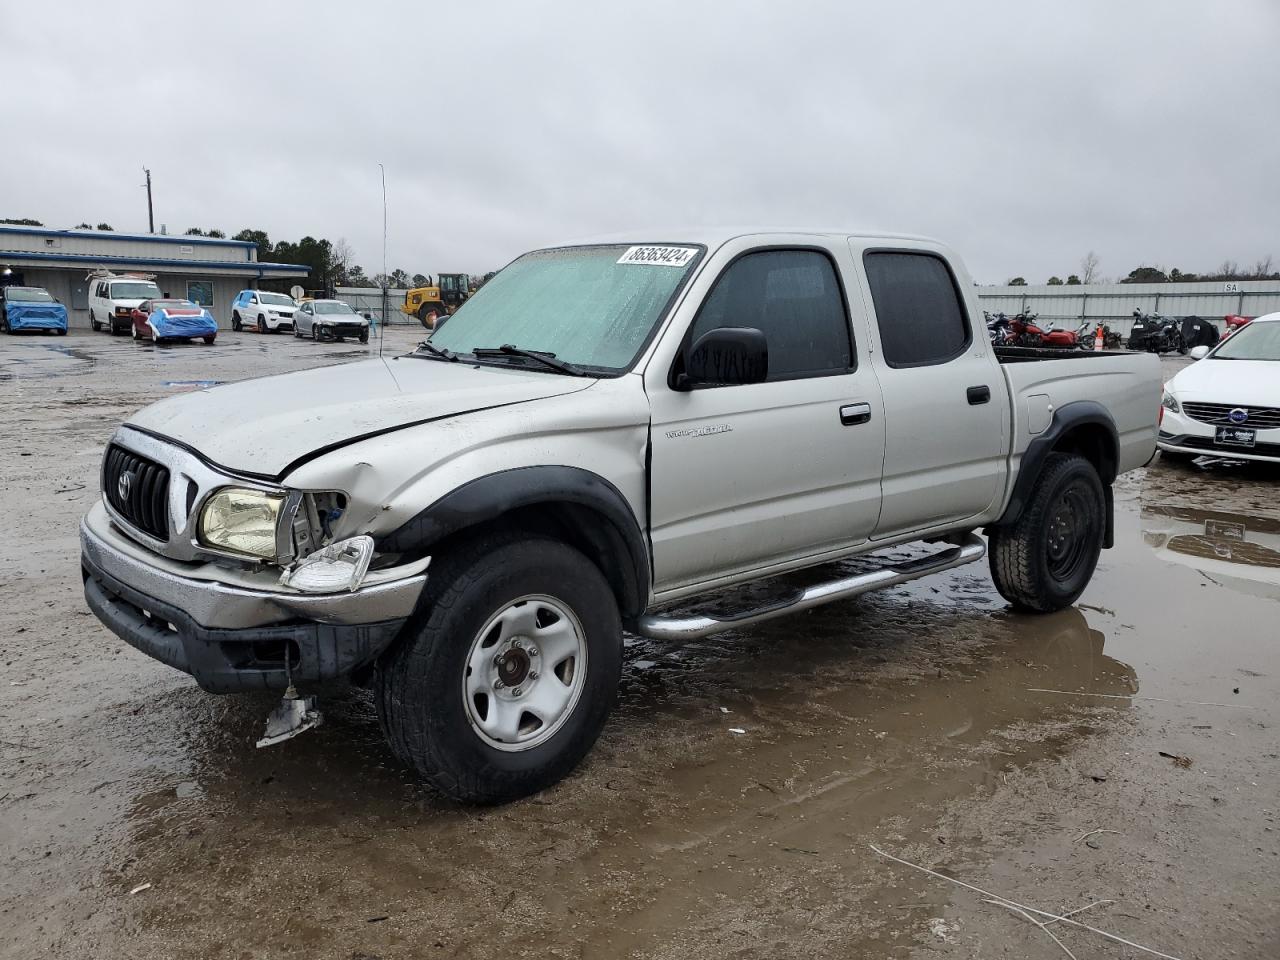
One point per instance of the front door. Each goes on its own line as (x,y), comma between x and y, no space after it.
(752,475)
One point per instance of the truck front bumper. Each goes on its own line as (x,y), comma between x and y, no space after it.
(231,637)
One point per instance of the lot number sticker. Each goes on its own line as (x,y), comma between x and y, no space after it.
(659,256)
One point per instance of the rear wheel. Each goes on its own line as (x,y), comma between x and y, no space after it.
(1044,560)
(503,685)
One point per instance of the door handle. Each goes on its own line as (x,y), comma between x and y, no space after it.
(855,413)
(978,395)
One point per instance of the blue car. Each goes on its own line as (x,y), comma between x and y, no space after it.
(31,308)
(157,320)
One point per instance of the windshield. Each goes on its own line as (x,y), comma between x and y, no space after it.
(29,294)
(172,305)
(1257,341)
(333,308)
(277,299)
(134,291)
(590,306)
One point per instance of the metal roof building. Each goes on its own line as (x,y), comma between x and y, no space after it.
(206,270)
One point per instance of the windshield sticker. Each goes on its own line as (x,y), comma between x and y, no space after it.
(659,256)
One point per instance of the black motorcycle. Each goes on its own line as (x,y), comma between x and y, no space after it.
(998,328)
(1198,333)
(1156,334)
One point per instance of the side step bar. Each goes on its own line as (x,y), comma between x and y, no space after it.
(658,627)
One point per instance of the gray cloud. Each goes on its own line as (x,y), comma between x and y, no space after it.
(1023,134)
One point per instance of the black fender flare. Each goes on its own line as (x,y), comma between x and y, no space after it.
(619,545)
(1066,418)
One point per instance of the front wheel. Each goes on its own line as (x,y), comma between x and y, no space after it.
(364,336)
(262,324)
(1044,560)
(210,340)
(504,684)
(236,322)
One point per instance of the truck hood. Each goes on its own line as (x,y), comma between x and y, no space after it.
(1248,382)
(265,427)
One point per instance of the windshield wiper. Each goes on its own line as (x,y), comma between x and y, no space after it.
(542,356)
(444,353)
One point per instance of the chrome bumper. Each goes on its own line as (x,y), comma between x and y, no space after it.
(203,592)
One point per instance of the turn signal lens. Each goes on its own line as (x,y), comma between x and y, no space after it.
(338,567)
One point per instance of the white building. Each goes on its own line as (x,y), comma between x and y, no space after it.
(208,271)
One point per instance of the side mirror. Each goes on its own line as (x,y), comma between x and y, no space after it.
(726,355)
(1199,353)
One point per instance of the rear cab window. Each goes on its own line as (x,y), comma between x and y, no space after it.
(919,311)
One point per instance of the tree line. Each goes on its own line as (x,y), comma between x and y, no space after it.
(1262,269)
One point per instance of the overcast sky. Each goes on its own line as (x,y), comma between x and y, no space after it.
(1024,134)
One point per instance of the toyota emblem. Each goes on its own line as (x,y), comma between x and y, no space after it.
(1238,415)
(123,485)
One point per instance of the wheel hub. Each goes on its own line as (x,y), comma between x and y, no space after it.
(513,666)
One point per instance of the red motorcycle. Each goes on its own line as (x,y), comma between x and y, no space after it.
(1233,323)
(1025,333)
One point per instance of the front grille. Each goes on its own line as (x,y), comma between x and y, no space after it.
(1262,418)
(145,502)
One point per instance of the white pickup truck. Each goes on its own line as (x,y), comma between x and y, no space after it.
(604,428)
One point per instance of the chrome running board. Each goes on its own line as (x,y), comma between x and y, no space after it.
(658,627)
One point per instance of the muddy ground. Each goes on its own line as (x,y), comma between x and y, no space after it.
(916,720)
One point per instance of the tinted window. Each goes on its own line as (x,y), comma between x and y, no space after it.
(917,308)
(794,298)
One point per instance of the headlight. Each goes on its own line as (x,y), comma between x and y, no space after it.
(242,521)
(339,566)
(1170,402)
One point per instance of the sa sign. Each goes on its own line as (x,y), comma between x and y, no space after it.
(1231,288)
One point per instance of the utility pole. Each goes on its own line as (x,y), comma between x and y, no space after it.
(151,217)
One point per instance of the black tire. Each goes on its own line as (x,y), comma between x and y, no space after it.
(62,331)
(210,340)
(236,323)
(1044,560)
(418,683)
(314,335)
(262,324)
(364,335)
(94,323)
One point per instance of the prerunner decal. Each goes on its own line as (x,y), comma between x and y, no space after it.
(659,256)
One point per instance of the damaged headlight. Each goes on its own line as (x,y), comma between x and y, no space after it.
(242,521)
(338,567)
(1170,402)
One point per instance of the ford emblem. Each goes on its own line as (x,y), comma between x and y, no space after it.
(123,485)
(1238,415)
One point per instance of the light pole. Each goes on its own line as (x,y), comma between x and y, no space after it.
(151,217)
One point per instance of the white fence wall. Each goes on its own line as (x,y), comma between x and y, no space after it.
(1114,303)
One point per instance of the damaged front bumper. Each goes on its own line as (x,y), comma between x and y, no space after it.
(234,636)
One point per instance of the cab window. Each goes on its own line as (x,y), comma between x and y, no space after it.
(792,296)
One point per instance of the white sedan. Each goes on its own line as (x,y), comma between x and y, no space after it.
(1228,402)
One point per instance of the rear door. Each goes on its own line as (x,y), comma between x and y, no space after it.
(946,403)
(749,476)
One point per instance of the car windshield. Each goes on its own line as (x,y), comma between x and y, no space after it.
(172,305)
(134,291)
(276,299)
(1257,341)
(28,294)
(592,307)
(333,308)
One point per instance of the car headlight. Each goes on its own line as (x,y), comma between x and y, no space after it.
(242,521)
(1170,402)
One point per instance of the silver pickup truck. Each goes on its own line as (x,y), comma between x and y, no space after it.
(603,429)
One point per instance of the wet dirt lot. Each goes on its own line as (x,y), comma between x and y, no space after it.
(1023,755)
